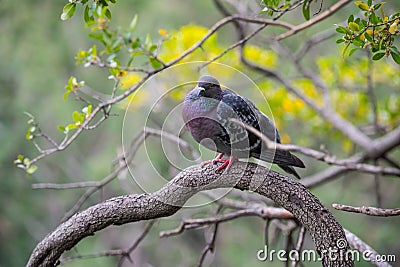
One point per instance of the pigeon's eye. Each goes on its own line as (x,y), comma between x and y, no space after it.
(210,86)
(202,92)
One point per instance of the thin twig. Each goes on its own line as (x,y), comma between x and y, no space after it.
(174,138)
(371,95)
(114,174)
(266,212)
(299,244)
(238,43)
(310,43)
(209,247)
(135,244)
(330,11)
(65,186)
(372,211)
(377,187)
(266,229)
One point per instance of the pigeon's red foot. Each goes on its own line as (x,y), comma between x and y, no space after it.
(217,159)
(226,163)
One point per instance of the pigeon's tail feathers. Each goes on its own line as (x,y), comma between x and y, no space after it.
(284,159)
(288,159)
(281,157)
(289,169)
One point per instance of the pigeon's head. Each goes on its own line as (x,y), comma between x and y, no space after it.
(208,86)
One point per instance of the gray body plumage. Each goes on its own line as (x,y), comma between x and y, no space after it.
(207,111)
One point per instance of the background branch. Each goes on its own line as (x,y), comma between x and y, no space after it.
(368,210)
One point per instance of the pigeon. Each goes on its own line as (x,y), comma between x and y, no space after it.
(208,111)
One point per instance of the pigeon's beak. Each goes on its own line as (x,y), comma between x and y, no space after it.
(200,91)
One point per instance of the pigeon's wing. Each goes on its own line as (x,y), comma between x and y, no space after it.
(233,106)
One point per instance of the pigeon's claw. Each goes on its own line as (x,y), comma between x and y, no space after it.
(213,161)
(226,163)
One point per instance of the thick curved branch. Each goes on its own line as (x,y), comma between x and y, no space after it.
(290,194)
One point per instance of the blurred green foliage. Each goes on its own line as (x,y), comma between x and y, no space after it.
(39,67)
(375,31)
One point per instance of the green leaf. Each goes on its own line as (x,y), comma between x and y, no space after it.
(377,6)
(345,50)
(339,41)
(306,10)
(29,136)
(358,43)
(114,71)
(71,127)
(363,22)
(78,117)
(86,17)
(351,18)
(19,159)
(89,109)
(395,54)
(68,11)
(352,51)
(27,162)
(94,51)
(127,38)
(374,18)
(375,48)
(31,169)
(369,2)
(153,48)
(396,57)
(62,129)
(368,37)
(137,53)
(354,26)
(341,29)
(116,44)
(361,5)
(136,43)
(66,94)
(133,24)
(108,14)
(378,55)
(155,63)
(97,36)
(103,12)
(148,41)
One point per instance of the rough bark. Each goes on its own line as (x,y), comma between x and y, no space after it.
(326,232)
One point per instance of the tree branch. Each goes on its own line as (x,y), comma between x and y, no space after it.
(368,210)
(358,244)
(288,193)
(314,20)
(263,212)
